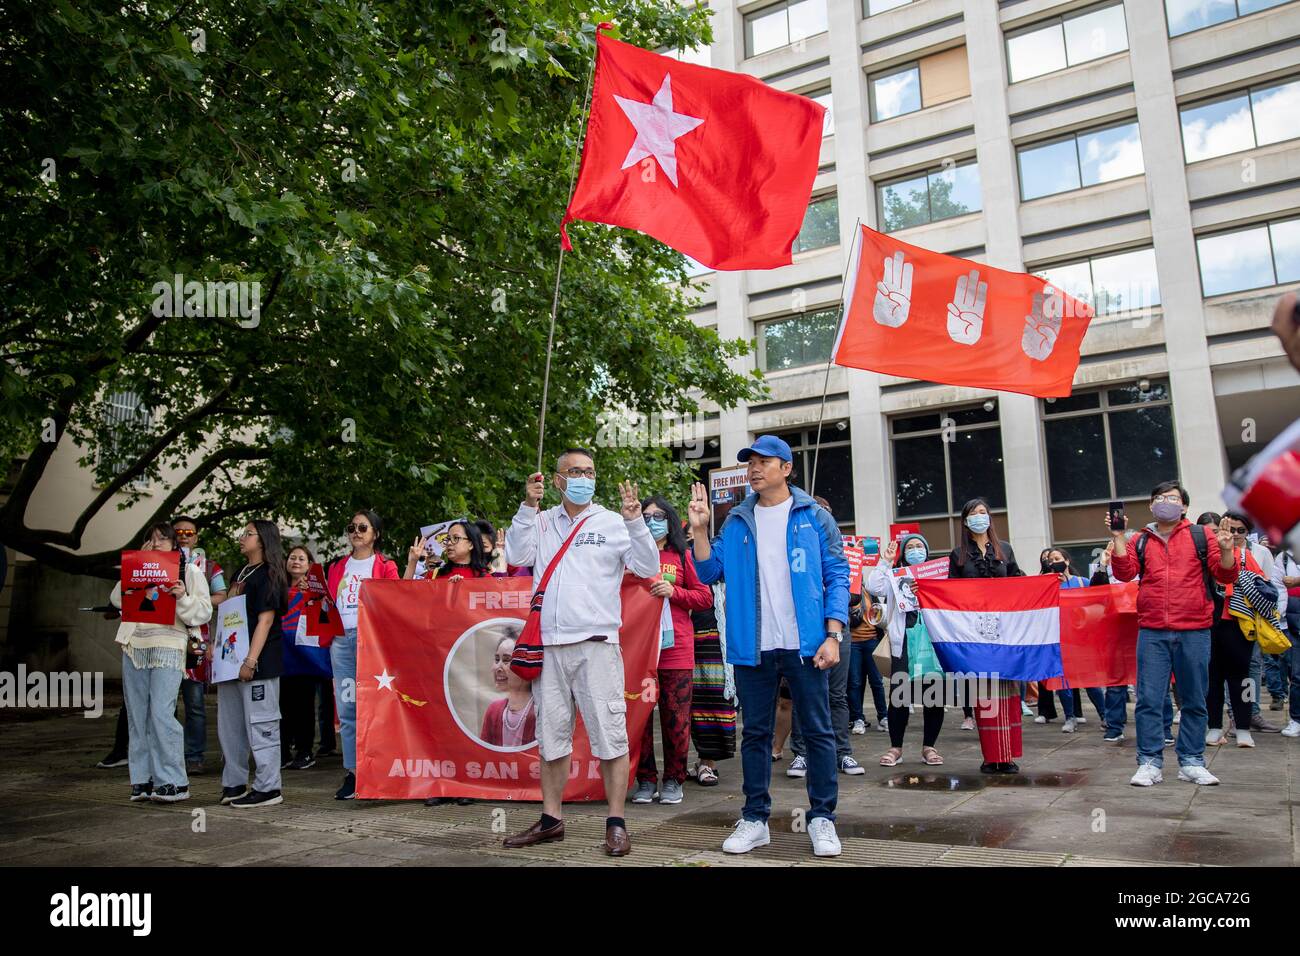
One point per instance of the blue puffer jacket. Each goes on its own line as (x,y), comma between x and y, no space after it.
(819,575)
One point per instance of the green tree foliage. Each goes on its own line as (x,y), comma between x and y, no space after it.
(392,176)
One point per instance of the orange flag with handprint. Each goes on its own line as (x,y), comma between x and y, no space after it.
(919,314)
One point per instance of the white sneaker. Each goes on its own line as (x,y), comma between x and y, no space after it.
(747,835)
(1040,719)
(1068,726)
(1197,775)
(1214,737)
(1024,710)
(859,727)
(1147,774)
(883,725)
(798,767)
(1081,720)
(968,723)
(824,840)
(1177,714)
(1292,729)
(1244,739)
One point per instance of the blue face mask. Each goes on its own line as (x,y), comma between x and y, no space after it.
(978,523)
(579,490)
(914,555)
(658,528)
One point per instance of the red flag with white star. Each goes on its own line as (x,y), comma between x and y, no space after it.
(716,164)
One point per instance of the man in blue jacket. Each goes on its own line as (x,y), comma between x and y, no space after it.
(787,592)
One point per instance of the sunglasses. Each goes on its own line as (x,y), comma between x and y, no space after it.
(652,515)
(358,528)
(1240,532)
(186,534)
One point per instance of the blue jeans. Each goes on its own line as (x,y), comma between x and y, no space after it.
(1098,698)
(196,718)
(1277,667)
(1114,709)
(1293,669)
(810,693)
(863,671)
(156,750)
(343,660)
(1256,673)
(1187,655)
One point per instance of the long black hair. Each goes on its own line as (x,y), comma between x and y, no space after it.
(676,536)
(968,537)
(375,522)
(478,558)
(273,559)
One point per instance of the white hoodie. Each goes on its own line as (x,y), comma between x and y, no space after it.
(583,598)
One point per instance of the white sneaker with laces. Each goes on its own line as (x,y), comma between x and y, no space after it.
(798,767)
(1214,737)
(1040,719)
(748,835)
(859,727)
(883,725)
(1024,710)
(1068,726)
(1147,775)
(1244,739)
(968,723)
(1197,775)
(1292,729)
(824,839)
(1081,720)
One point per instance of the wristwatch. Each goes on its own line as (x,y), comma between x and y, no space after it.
(838,635)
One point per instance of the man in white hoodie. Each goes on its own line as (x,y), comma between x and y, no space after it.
(581,614)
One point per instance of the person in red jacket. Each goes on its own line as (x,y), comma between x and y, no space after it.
(685,593)
(1175,611)
(344,582)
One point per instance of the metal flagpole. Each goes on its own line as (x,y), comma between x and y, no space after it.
(817,449)
(555,297)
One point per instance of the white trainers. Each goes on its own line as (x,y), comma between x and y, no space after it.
(1024,710)
(824,839)
(1214,737)
(968,723)
(1040,719)
(798,767)
(1244,739)
(1292,729)
(748,835)
(1068,726)
(1081,720)
(1147,775)
(883,725)
(859,727)
(1197,775)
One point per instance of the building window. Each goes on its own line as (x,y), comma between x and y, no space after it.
(698,55)
(834,467)
(1256,117)
(709,457)
(1110,444)
(129,427)
(1188,15)
(1083,159)
(1062,42)
(880,6)
(1124,282)
(939,78)
(828,120)
(928,197)
(1253,258)
(942,460)
(798,340)
(774,27)
(821,225)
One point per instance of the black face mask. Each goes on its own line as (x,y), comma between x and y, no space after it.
(1057,567)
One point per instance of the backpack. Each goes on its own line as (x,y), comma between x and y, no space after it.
(1202,555)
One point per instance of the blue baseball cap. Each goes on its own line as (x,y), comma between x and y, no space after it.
(768,446)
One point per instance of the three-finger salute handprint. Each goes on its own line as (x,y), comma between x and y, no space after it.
(698,510)
(894,292)
(966,310)
(1043,324)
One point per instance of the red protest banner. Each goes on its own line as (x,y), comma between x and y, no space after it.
(146,576)
(1098,636)
(856,560)
(898,531)
(323,622)
(436,705)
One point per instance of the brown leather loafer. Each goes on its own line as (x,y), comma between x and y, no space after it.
(617,842)
(534,834)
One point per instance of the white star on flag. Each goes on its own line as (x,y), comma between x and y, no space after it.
(385,680)
(657,126)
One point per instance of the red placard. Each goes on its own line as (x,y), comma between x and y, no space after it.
(427,691)
(856,560)
(146,576)
(898,531)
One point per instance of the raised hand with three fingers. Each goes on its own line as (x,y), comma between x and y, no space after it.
(631,509)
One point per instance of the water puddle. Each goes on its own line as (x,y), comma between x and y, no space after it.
(978,781)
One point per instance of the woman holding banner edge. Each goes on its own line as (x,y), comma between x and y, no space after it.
(980,554)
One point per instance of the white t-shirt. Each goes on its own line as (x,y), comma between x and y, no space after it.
(779,629)
(349,596)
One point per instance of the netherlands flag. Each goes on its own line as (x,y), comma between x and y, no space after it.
(1005,626)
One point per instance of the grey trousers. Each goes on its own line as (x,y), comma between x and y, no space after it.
(248,723)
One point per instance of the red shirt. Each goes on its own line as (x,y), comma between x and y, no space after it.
(1171,594)
(689,594)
